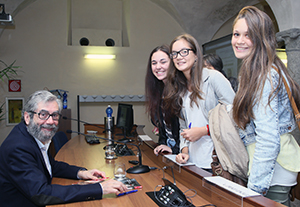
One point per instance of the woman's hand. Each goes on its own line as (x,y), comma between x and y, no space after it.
(183,157)
(162,148)
(193,134)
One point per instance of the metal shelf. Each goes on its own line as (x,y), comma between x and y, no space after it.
(105,98)
(111,98)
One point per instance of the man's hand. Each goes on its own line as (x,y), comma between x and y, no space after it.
(90,174)
(113,186)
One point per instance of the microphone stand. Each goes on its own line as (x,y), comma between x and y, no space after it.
(140,168)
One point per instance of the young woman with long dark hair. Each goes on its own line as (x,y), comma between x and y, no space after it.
(156,77)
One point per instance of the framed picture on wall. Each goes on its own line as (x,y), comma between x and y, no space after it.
(14,108)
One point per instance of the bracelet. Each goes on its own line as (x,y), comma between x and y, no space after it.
(207,128)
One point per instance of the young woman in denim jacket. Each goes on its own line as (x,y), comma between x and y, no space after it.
(190,93)
(262,109)
(156,77)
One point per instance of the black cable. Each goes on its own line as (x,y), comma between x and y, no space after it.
(195,193)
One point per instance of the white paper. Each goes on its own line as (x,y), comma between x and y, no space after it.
(231,186)
(173,158)
(145,138)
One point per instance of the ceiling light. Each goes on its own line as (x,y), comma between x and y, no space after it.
(100,56)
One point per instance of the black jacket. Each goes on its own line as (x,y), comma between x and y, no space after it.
(25,180)
(175,131)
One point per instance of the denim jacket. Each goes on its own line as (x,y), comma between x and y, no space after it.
(265,131)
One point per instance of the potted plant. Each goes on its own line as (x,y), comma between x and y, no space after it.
(7,72)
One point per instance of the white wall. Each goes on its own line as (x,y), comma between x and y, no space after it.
(39,44)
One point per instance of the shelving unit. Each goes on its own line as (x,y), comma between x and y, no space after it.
(105,98)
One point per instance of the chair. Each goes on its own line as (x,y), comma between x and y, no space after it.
(59,139)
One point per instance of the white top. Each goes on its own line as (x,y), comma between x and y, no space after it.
(44,150)
(283,176)
(200,151)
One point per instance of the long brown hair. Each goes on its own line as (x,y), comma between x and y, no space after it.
(255,68)
(177,84)
(154,87)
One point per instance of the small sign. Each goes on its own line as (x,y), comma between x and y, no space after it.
(231,186)
(14,85)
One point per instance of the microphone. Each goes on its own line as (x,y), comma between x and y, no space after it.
(140,168)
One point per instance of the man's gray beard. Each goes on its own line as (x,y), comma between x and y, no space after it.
(36,131)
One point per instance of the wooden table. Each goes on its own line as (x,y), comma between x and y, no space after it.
(78,152)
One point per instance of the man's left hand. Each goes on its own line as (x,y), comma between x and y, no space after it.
(90,174)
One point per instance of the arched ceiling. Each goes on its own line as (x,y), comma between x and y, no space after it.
(201,18)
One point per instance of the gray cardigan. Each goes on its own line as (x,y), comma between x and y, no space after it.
(215,88)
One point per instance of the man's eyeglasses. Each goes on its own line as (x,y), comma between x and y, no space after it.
(44,115)
(182,52)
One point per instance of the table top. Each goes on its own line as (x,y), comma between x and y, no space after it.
(78,152)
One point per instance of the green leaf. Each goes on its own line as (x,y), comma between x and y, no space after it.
(9,70)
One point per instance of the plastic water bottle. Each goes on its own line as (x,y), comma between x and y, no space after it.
(109,111)
(109,123)
(65,101)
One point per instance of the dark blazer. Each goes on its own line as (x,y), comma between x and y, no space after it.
(162,139)
(25,180)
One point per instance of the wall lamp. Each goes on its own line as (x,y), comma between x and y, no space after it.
(100,56)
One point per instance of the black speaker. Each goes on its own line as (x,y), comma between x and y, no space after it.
(84,41)
(110,42)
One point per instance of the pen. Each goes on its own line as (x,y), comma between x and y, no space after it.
(125,193)
(190,125)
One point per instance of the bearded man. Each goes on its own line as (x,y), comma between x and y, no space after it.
(26,167)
